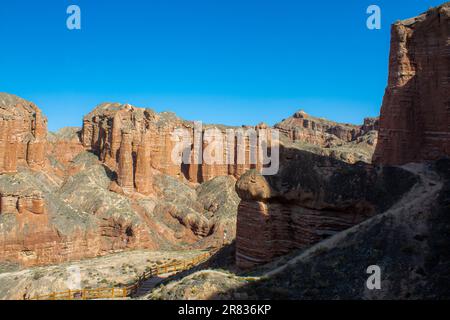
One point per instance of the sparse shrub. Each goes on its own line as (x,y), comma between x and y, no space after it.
(37,275)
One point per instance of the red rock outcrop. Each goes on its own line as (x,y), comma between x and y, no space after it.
(35,241)
(23,131)
(143,174)
(346,142)
(125,171)
(151,144)
(415,115)
(21,203)
(64,145)
(310,199)
(64,210)
(305,128)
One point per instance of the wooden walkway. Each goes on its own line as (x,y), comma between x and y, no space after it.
(143,285)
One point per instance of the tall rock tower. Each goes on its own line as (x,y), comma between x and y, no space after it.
(125,174)
(415,115)
(23,134)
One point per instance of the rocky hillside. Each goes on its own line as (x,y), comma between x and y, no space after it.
(66,208)
(346,142)
(311,198)
(400,215)
(409,242)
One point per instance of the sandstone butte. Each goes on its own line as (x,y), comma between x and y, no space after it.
(313,196)
(415,115)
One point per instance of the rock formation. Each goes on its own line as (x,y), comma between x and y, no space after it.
(151,143)
(409,242)
(415,116)
(64,145)
(143,175)
(313,197)
(125,171)
(310,199)
(305,128)
(346,142)
(55,198)
(23,131)
(21,203)
(59,201)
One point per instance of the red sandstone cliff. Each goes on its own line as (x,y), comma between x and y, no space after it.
(415,116)
(23,131)
(55,198)
(132,140)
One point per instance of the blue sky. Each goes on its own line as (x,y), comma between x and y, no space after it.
(220,61)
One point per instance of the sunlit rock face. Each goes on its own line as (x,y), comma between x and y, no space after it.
(346,142)
(61,202)
(132,140)
(415,116)
(23,131)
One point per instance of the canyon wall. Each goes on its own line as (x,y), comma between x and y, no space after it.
(313,197)
(415,115)
(23,131)
(133,140)
(37,225)
(60,202)
(310,199)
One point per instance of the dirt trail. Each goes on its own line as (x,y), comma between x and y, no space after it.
(418,198)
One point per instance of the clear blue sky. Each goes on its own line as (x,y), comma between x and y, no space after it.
(220,61)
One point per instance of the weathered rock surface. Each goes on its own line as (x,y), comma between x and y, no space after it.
(409,242)
(346,142)
(114,270)
(302,205)
(310,199)
(415,116)
(147,141)
(66,210)
(23,131)
(63,146)
(207,211)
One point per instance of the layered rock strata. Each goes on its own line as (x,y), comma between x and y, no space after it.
(310,199)
(23,131)
(415,115)
(346,142)
(65,210)
(21,203)
(305,128)
(132,140)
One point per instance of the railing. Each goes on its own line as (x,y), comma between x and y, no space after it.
(123,292)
